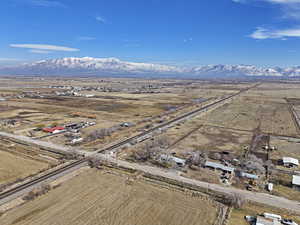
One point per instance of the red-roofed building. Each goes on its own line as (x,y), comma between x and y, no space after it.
(52,129)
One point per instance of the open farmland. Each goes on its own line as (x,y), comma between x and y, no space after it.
(287,147)
(35,103)
(100,198)
(18,161)
(14,167)
(207,138)
(248,113)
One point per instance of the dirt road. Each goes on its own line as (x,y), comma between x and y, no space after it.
(267,199)
(262,198)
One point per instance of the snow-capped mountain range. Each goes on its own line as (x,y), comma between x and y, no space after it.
(114,66)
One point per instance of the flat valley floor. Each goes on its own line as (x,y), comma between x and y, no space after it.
(100,198)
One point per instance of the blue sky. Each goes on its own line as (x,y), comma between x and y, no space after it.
(176,32)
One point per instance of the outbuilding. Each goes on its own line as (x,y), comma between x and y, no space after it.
(180,162)
(248,175)
(266,221)
(296,182)
(53,129)
(219,166)
(290,162)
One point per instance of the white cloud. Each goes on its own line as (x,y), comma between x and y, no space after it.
(239,1)
(86,38)
(283,1)
(290,8)
(9,59)
(270,1)
(100,19)
(263,33)
(187,40)
(39,51)
(45,47)
(46,3)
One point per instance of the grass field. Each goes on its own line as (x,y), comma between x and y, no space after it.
(208,138)
(247,113)
(285,148)
(13,167)
(95,197)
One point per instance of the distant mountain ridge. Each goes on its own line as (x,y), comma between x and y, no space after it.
(114,66)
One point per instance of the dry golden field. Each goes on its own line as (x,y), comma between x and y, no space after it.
(208,138)
(95,197)
(14,167)
(110,108)
(286,147)
(247,113)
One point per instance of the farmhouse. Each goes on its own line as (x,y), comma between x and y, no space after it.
(290,162)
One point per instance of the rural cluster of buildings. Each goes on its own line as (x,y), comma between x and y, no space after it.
(269,219)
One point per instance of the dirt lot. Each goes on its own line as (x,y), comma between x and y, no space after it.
(97,198)
(13,167)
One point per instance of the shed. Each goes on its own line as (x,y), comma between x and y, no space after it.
(270,187)
(290,162)
(265,221)
(178,161)
(219,166)
(249,175)
(296,182)
(53,129)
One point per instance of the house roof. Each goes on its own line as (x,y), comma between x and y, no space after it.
(263,221)
(52,129)
(249,175)
(296,180)
(290,160)
(173,158)
(219,166)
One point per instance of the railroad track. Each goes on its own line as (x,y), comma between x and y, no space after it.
(38,180)
(173,121)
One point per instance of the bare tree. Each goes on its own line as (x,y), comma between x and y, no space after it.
(216,156)
(235,200)
(254,164)
(35,193)
(95,162)
(197,158)
(152,149)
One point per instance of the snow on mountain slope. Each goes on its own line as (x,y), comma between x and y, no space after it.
(88,64)
(108,66)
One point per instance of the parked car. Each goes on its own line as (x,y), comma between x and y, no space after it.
(288,222)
